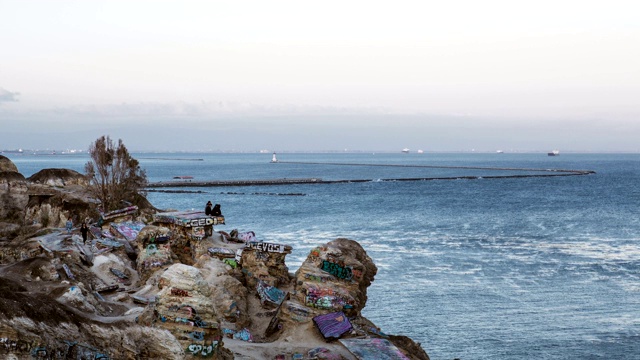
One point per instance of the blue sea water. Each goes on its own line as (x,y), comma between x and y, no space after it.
(516,268)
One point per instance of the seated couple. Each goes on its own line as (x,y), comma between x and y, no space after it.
(212,212)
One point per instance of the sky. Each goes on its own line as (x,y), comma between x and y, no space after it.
(321,76)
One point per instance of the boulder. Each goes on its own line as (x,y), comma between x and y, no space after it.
(230,295)
(6,165)
(59,178)
(185,306)
(154,251)
(335,277)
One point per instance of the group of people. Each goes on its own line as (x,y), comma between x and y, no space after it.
(215,211)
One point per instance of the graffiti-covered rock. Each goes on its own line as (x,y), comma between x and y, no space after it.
(335,277)
(154,251)
(262,261)
(229,295)
(184,305)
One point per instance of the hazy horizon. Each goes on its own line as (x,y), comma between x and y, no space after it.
(289,76)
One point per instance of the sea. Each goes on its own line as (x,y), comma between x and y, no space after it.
(471,266)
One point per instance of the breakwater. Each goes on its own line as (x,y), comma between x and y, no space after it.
(294,181)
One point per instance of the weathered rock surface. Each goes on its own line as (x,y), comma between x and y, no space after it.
(13,197)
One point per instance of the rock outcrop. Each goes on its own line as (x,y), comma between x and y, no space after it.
(170,289)
(13,197)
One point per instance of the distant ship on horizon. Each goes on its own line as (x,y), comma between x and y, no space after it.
(405,150)
(554,153)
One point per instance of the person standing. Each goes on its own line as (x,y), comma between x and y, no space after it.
(84,230)
(69,226)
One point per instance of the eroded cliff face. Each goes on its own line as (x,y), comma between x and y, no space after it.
(13,197)
(141,290)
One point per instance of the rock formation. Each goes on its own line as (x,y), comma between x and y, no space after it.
(166,286)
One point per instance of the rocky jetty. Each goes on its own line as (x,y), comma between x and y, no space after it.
(166,285)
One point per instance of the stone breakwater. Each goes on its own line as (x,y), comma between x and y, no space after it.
(149,285)
(511,173)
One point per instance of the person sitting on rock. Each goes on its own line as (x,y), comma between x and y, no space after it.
(207,209)
(216,210)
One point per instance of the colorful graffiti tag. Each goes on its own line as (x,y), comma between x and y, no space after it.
(269,294)
(129,230)
(322,298)
(202,350)
(332,325)
(268,247)
(337,270)
(188,219)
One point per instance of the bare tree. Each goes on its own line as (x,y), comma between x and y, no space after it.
(116,177)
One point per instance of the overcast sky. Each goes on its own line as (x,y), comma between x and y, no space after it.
(326,75)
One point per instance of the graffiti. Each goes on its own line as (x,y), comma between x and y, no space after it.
(39,351)
(119,212)
(233,311)
(188,218)
(185,321)
(64,349)
(153,263)
(325,299)
(333,325)
(267,247)
(162,239)
(317,278)
(357,273)
(202,350)
(269,294)
(243,335)
(262,256)
(231,262)
(197,335)
(197,233)
(186,315)
(337,270)
(68,271)
(297,312)
(152,249)
(179,292)
(129,230)
(323,353)
(200,222)
(110,243)
(315,253)
(187,311)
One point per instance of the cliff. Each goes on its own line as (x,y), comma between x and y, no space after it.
(150,285)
